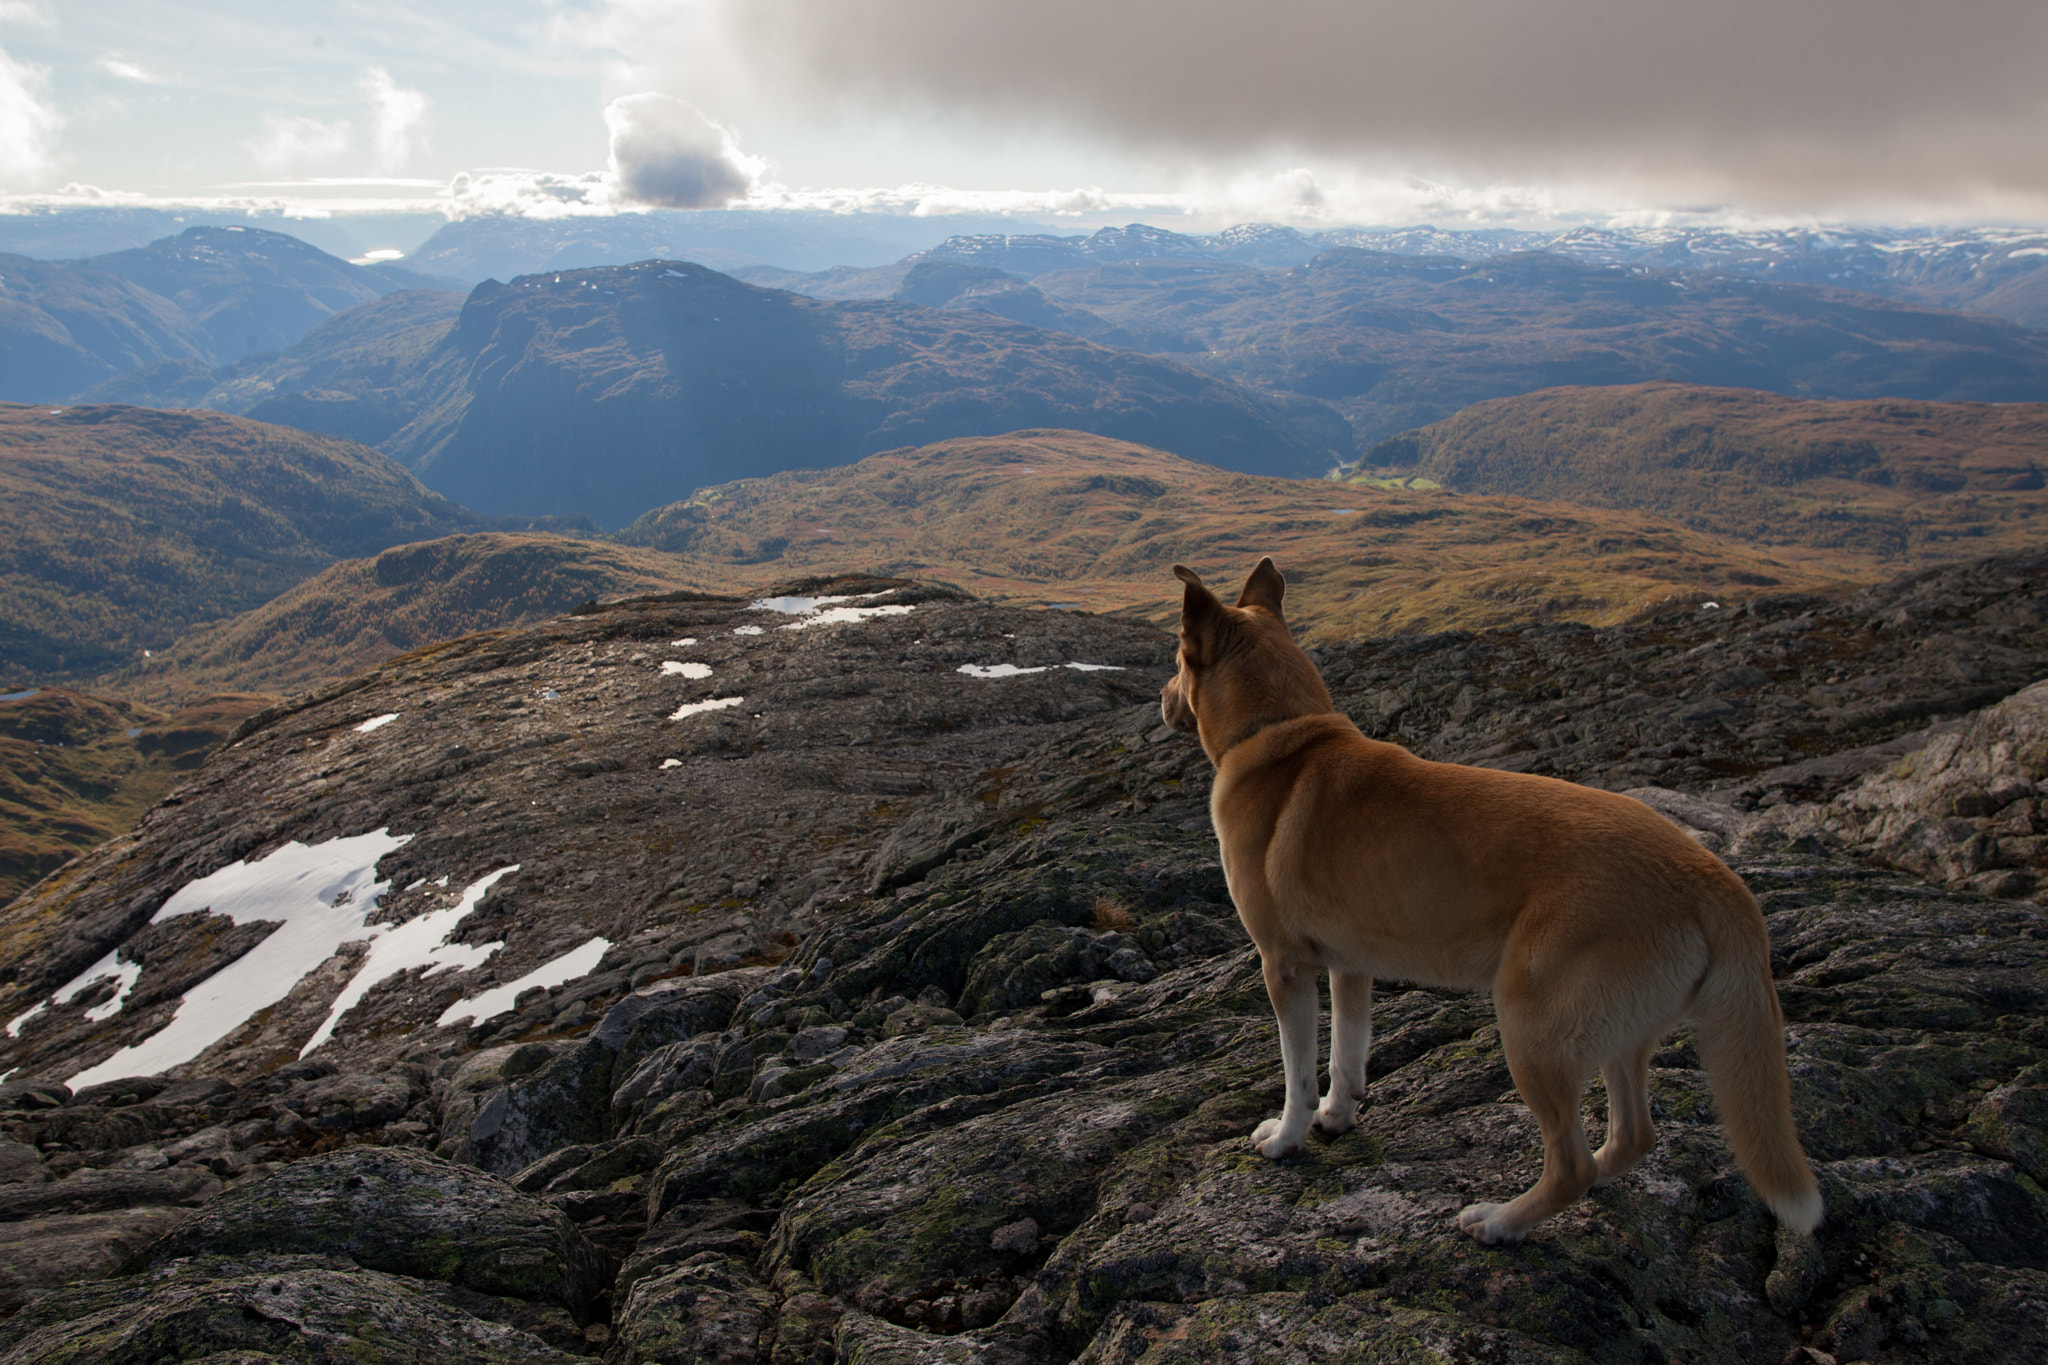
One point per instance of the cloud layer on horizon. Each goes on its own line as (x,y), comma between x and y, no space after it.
(1784,107)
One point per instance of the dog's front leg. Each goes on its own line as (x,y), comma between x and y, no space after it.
(1292,989)
(1350,1044)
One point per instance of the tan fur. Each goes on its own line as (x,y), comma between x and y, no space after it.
(1597,925)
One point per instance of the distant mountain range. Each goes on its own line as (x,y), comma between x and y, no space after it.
(613,390)
(204,299)
(1395,341)
(2002,272)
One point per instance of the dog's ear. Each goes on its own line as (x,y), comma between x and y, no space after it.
(1201,613)
(1264,588)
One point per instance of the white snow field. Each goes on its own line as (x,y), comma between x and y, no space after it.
(691,708)
(419,942)
(376,723)
(692,670)
(320,895)
(499,999)
(1013,671)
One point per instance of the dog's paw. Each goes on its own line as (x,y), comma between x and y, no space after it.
(1484,1223)
(1339,1120)
(1271,1140)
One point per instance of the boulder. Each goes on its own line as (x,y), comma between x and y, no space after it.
(402,1211)
(261,1308)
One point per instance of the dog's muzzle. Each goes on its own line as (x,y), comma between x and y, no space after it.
(1174,708)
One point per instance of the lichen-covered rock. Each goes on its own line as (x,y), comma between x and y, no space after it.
(995,1109)
(38,1254)
(710,1310)
(402,1211)
(93,1191)
(285,1308)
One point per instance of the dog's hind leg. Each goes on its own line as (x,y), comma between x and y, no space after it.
(1551,1077)
(1292,989)
(1350,1045)
(1630,1133)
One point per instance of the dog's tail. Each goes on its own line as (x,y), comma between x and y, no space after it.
(1742,1044)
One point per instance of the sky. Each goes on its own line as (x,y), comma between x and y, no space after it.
(1189,113)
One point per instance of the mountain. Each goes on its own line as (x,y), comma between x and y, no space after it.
(76,769)
(1999,271)
(1899,480)
(55,233)
(126,526)
(613,390)
(251,290)
(208,297)
(66,327)
(1395,341)
(509,1004)
(361,612)
(1067,519)
(500,246)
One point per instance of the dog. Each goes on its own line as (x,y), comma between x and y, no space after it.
(1597,925)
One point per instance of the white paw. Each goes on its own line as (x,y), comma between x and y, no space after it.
(1271,1140)
(1341,1119)
(1484,1223)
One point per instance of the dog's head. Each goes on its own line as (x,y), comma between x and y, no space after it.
(1239,668)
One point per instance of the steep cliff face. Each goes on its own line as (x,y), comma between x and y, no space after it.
(858,982)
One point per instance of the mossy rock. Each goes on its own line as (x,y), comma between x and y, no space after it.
(299,1309)
(403,1211)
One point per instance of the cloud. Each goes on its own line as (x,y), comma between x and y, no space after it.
(666,154)
(114,64)
(28,123)
(293,140)
(398,118)
(1819,102)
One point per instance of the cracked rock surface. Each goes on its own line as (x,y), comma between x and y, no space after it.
(927,1032)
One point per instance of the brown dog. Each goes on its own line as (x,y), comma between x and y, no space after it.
(1597,925)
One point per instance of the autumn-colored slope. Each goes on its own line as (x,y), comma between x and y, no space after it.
(362,611)
(1903,482)
(76,769)
(1070,519)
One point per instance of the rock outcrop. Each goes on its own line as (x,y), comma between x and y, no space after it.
(924,1029)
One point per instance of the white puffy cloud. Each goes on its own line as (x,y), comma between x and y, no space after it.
(398,118)
(28,123)
(290,140)
(666,154)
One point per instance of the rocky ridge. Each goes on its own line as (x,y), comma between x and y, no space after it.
(925,1031)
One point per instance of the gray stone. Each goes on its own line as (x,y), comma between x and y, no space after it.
(405,1212)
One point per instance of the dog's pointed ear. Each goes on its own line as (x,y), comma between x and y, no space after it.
(1201,612)
(1264,588)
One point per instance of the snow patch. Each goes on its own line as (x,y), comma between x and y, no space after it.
(499,999)
(691,708)
(1013,671)
(804,606)
(2027,251)
(839,616)
(750,630)
(376,723)
(20,1020)
(419,942)
(683,643)
(319,896)
(827,611)
(670,669)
